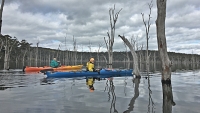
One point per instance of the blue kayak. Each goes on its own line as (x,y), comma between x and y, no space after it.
(102,73)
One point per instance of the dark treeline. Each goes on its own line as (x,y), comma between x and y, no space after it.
(20,53)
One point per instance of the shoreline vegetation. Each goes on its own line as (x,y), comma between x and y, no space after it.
(28,56)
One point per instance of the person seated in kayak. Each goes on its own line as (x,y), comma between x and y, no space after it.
(54,63)
(87,65)
(90,65)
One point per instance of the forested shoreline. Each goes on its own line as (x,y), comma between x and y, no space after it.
(15,54)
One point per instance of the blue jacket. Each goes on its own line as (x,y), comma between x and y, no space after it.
(54,64)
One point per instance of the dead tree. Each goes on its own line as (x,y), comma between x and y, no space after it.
(1,12)
(82,55)
(36,54)
(98,59)
(168,100)
(127,56)
(141,58)
(30,57)
(74,50)
(58,52)
(1,44)
(8,46)
(147,27)
(105,59)
(89,46)
(109,43)
(23,56)
(161,40)
(136,70)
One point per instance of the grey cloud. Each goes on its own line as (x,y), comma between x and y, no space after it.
(88,20)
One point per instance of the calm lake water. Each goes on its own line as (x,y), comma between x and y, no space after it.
(33,93)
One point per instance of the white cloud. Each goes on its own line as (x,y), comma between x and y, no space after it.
(88,21)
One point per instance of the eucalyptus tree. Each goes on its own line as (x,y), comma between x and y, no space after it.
(98,58)
(24,48)
(15,56)
(9,43)
(74,51)
(147,28)
(161,39)
(110,41)
(1,46)
(165,61)
(127,56)
(89,46)
(136,70)
(36,54)
(1,12)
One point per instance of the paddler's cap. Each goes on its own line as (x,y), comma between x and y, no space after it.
(91,59)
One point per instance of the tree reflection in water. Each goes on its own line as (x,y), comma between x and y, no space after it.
(151,103)
(168,101)
(136,81)
(111,92)
(125,83)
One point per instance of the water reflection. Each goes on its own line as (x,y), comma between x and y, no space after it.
(111,94)
(136,82)
(168,101)
(89,82)
(10,80)
(125,83)
(151,103)
(46,81)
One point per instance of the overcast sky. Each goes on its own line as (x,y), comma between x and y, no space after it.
(50,21)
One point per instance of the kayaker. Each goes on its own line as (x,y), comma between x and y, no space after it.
(54,63)
(90,65)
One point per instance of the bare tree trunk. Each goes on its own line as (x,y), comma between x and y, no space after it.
(40,58)
(147,27)
(16,61)
(8,48)
(6,65)
(128,58)
(36,55)
(89,46)
(105,59)
(135,59)
(30,57)
(1,12)
(154,61)
(168,100)
(1,45)
(74,51)
(111,35)
(49,58)
(82,55)
(98,59)
(141,57)
(24,57)
(162,45)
